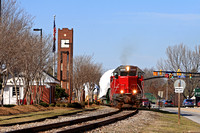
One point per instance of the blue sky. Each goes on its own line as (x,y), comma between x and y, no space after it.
(121,32)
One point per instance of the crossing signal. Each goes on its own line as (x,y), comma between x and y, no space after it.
(190,75)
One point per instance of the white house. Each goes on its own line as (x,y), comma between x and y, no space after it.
(48,83)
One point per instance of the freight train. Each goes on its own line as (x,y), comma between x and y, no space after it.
(125,87)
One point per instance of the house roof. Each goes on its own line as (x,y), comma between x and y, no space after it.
(48,79)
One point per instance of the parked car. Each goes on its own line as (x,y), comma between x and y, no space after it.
(153,104)
(168,103)
(188,103)
(198,104)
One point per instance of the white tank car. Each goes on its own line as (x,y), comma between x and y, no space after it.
(104,82)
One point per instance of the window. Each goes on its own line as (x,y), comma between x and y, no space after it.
(189,100)
(61,57)
(123,74)
(13,91)
(139,74)
(67,85)
(67,75)
(61,66)
(60,75)
(132,73)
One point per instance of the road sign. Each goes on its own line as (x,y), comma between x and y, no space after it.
(179,89)
(197,92)
(179,83)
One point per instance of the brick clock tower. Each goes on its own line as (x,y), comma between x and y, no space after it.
(65,60)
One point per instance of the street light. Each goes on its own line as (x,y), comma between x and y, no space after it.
(40,39)
(40,32)
(40,36)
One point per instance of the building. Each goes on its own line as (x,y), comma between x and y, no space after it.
(65,60)
(46,89)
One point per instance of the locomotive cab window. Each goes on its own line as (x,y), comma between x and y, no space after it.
(139,75)
(116,75)
(124,74)
(131,73)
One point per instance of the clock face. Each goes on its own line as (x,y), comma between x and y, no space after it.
(64,43)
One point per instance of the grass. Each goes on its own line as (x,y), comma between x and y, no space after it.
(33,112)
(168,123)
(16,118)
(35,115)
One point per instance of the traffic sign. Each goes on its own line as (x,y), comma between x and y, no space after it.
(197,92)
(179,83)
(179,89)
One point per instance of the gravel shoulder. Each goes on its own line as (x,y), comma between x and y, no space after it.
(150,122)
(133,124)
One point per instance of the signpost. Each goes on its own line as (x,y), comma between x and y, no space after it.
(179,86)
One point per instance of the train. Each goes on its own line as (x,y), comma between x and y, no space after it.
(125,87)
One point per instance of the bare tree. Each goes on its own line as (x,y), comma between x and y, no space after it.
(22,52)
(14,22)
(85,72)
(154,85)
(35,60)
(94,75)
(185,59)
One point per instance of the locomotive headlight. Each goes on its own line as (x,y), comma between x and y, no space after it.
(134,91)
(127,68)
(122,91)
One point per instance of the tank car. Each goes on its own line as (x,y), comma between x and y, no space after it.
(126,86)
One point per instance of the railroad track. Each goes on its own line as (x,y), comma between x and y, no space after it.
(81,124)
(43,119)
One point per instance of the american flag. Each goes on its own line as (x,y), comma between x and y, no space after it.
(54,35)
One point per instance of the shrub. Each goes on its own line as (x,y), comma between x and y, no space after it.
(52,105)
(9,105)
(74,105)
(44,104)
(60,92)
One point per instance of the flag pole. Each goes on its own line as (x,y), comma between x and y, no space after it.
(53,64)
(54,47)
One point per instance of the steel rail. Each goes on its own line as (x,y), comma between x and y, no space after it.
(43,119)
(61,124)
(90,126)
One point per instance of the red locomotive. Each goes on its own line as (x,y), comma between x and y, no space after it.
(126,86)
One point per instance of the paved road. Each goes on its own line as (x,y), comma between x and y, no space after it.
(190,113)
